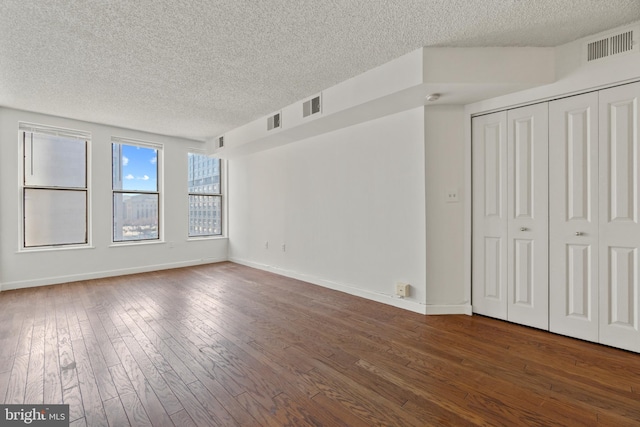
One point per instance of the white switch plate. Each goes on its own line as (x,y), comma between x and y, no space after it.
(452,195)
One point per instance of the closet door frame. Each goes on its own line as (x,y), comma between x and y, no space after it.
(605,245)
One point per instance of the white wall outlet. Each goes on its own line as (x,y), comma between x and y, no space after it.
(451,195)
(402,289)
(284,247)
(266,245)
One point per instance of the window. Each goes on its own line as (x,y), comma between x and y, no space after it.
(136,193)
(54,186)
(205,196)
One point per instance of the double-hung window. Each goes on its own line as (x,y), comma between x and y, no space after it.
(205,195)
(54,186)
(136,190)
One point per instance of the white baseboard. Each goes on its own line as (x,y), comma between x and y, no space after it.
(102,274)
(449,309)
(352,290)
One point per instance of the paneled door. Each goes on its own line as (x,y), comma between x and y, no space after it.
(489,260)
(510,215)
(573,216)
(619,217)
(527,212)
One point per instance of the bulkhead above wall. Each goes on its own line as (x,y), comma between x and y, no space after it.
(458,75)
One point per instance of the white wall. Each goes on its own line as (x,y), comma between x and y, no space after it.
(24,269)
(445,221)
(349,205)
(489,65)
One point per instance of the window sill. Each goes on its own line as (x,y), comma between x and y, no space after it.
(53,249)
(199,239)
(130,243)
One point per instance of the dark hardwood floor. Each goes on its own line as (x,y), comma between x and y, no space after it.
(225,345)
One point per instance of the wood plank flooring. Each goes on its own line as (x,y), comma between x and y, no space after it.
(228,345)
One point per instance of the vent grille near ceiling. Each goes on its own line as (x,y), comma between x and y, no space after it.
(221,142)
(608,46)
(311,106)
(273,121)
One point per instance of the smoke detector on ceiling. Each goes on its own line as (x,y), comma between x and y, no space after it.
(616,43)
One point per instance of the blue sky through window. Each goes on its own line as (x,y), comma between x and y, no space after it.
(139,168)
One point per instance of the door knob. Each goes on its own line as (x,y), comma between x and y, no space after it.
(579,233)
(523,229)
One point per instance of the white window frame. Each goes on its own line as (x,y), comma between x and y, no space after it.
(35,128)
(160,189)
(220,194)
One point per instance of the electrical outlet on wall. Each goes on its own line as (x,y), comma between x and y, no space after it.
(402,289)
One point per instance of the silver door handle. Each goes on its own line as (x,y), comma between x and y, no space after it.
(523,229)
(579,233)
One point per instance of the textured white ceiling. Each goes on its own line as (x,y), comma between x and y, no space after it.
(197,68)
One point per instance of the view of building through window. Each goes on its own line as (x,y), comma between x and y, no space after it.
(205,196)
(136,196)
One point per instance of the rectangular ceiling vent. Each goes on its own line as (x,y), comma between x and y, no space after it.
(311,106)
(273,121)
(221,142)
(610,45)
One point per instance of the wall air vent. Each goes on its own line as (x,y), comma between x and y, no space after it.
(311,106)
(610,45)
(273,121)
(221,142)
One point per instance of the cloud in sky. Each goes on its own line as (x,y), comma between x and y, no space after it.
(125,161)
(154,160)
(140,178)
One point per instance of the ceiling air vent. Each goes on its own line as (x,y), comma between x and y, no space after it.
(311,106)
(221,142)
(611,45)
(273,121)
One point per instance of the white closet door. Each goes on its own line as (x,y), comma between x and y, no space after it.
(573,216)
(619,221)
(528,240)
(489,157)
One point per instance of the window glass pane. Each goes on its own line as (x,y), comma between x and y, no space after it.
(135,168)
(54,217)
(204,174)
(54,161)
(135,216)
(205,215)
